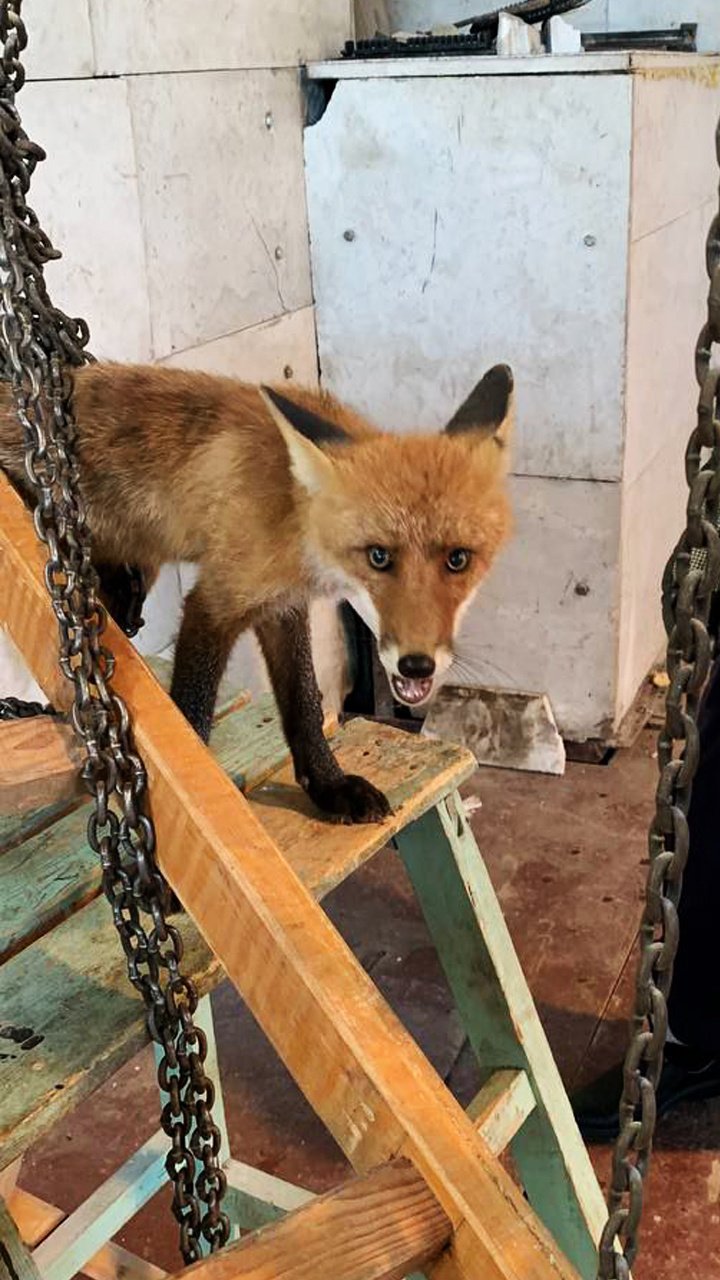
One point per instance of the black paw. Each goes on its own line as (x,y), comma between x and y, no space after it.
(350,799)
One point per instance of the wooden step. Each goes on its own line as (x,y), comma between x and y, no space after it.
(380,1227)
(55,872)
(50,877)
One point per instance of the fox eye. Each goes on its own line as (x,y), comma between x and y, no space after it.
(379,558)
(457,560)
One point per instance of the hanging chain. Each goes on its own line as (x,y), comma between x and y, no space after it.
(39,342)
(690,581)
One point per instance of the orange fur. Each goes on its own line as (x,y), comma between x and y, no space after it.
(190,466)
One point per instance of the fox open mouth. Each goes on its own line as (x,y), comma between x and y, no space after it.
(411,692)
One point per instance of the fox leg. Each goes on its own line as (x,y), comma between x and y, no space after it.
(201,654)
(285,643)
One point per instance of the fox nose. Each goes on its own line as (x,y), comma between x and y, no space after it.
(416,666)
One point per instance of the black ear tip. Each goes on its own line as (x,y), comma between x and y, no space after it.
(501,375)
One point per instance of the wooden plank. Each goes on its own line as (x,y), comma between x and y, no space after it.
(9,1177)
(35,1219)
(373,1228)
(413,772)
(358,1067)
(71,1245)
(15,1260)
(501,1108)
(44,880)
(112,1262)
(498,1111)
(16,827)
(70,990)
(54,873)
(40,762)
(492,995)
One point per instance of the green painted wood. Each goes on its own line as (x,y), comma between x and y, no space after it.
(70,1018)
(16,1262)
(250,743)
(14,827)
(477,954)
(77,1239)
(54,871)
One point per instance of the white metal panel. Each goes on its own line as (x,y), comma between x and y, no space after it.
(86,196)
(223,204)
(668,287)
(653,516)
(488,221)
(59,39)
(546,618)
(666,309)
(594,16)
(629,15)
(270,352)
(169,35)
(673,169)
(419,15)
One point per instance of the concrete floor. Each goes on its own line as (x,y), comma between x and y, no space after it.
(567,857)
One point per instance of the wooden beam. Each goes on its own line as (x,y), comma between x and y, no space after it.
(501,1108)
(77,1239)
(15,1260)
(375,1228)
(40,761)
(358,1067)
(35,1219)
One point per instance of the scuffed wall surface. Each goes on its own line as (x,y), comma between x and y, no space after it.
(175,190)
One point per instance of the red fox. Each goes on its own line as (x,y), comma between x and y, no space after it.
(279,497)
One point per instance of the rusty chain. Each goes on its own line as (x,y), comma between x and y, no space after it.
(38,344)
(691,578)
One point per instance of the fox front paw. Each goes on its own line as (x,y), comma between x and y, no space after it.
(350,799)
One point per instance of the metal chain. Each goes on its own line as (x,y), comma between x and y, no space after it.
(691,578)
(39,342)
(19,709)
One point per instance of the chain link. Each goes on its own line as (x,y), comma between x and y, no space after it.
(38,344)
(691,578)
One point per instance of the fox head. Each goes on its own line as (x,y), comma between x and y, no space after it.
(405,527)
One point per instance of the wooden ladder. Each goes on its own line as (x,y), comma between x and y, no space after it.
(431,1193)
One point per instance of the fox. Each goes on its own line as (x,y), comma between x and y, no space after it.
(280,496)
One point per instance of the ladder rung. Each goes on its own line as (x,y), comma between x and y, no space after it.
(501,1108)
(380,1227)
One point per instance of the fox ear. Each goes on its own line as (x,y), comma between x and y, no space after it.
(304,433)
(488,410)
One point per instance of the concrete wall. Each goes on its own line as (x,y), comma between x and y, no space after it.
(174,186)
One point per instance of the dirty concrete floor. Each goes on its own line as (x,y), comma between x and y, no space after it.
(567,859)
